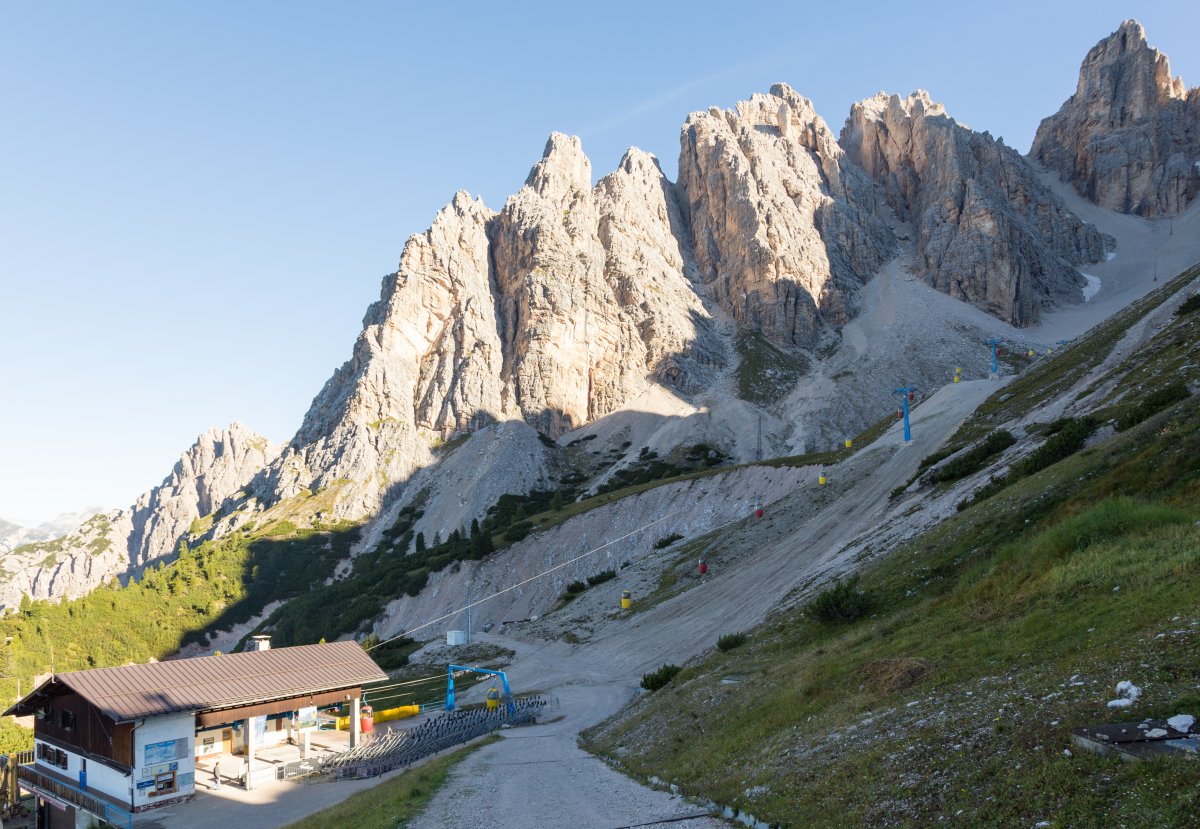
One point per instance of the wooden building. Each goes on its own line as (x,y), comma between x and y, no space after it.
(113,741)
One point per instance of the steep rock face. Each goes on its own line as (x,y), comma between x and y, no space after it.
(987,230)
(221,463)
(784,228)
(649,269)
(1129,138)
(568,357)
(217,466)
(592,286)
(427,363)
(556,311)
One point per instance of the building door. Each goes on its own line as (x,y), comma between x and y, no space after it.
(227,740)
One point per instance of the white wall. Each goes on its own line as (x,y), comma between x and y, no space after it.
(159,730)
(99,776)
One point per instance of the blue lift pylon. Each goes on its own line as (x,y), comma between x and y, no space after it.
(994,342)
(904,392)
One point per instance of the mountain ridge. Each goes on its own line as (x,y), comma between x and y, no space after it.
(575,301)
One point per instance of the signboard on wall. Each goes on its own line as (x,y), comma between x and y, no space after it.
(157,753)
(306,719)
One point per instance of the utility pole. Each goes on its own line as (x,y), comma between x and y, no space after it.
(994,342)
(904,392)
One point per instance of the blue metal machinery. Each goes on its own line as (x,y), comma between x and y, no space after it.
(994,342)
(512,706)
(904,392)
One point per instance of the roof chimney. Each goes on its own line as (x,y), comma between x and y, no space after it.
(262,642)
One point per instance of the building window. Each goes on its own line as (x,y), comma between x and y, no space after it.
(61,759)
(66,720)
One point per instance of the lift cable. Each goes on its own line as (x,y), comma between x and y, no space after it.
(526,581)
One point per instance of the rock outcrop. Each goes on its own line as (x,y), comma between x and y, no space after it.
(14,535)
(785,229)
(595,302)
(217,467)
(1129,138)
(427,362)
(987,230)
(556,310)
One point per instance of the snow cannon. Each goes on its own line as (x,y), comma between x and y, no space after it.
(626,600)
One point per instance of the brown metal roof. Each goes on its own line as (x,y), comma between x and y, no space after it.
(208,683)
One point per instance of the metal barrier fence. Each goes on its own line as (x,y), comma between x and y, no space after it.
(403,748)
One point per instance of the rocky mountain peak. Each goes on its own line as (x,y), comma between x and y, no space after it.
(563,170)
(1129,138)
(784,230)
(987,230)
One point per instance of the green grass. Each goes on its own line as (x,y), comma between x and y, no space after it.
(766,374)
(393,803)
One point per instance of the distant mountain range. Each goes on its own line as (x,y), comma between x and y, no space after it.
(579,305)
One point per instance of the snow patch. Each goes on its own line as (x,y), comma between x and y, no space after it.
(1112,254)
(1091,288)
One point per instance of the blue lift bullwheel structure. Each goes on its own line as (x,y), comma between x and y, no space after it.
(508,698)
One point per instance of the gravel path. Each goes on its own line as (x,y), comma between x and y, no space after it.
(538,777)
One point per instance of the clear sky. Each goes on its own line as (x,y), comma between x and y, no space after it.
(198,200)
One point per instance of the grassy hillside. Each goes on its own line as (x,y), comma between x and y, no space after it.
(215,584)
(974,649)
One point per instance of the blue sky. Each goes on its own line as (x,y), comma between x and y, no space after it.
(198,200)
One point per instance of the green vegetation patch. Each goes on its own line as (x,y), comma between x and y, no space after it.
(1153,403)
(766,374)
(214,585)
(659,679)
(393,803)
(973,460)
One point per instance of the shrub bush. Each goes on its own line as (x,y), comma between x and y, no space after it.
(970,462)
(667,541)
(1189,305)
(843,602)
(730,641)
(576,587)
(1154,403)
(1067,437)
(657,679)
(601,577)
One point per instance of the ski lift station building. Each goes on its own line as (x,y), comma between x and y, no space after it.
(113,741)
